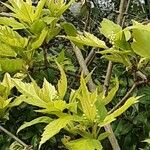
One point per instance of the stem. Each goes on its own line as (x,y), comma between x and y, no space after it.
(84,68)
(13,136)
(126,96)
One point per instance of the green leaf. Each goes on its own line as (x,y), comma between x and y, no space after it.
(37,26)
(119,111)
(70,29)
(12,38)
(104,135)
(6,50)
(48,92)
(111,93)
(11,65)
(84,144)
(87,39)
(54,127)
(62,83)
(147,141)
(109,29)
(141,44)
(43,119)
(87,100)
(57,8)
(11,22)
(39,41)
(17,101)
(39,9)
(28,89)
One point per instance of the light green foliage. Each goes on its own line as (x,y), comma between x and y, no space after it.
(109,29)
(87,39)
(88,109)
(84,144)
(43,119)
(5,101)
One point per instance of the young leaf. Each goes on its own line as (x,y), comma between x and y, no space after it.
(11,65)
(103,136)
(87,39)
(43,119)
(119,111)
(111,93)
(28,89)
(141,44)
(62,83)
(11,22)
(109,29)
(84,144)
(39,41)
(54,127)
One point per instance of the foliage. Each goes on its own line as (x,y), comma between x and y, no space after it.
(35,52)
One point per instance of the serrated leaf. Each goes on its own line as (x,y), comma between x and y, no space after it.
(12,38)
(87,101)
(119,111)
(29,91)
(48,92)
(43,119)
(11,22)
(87,39)
(53,128)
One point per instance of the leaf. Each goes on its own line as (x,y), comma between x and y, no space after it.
(111,93)
(48,92)
(119,111)
(39,41)
(37,26)
(84,144)
(141,44)
(28,90)
(43,119)
(109,29)
(62,83)
(11,65)
(87,101)
(17,101)
(57,8)
(69,29)
(147,141)
(104,135)
(11,22)
(11,38)
(53,128)
(39,9)
(6,50)
(87,39)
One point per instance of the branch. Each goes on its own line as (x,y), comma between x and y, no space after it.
(84,68)
(13,136)
(126,96)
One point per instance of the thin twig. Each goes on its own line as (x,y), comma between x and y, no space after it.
(13,136)
(126,96)
(82,63)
